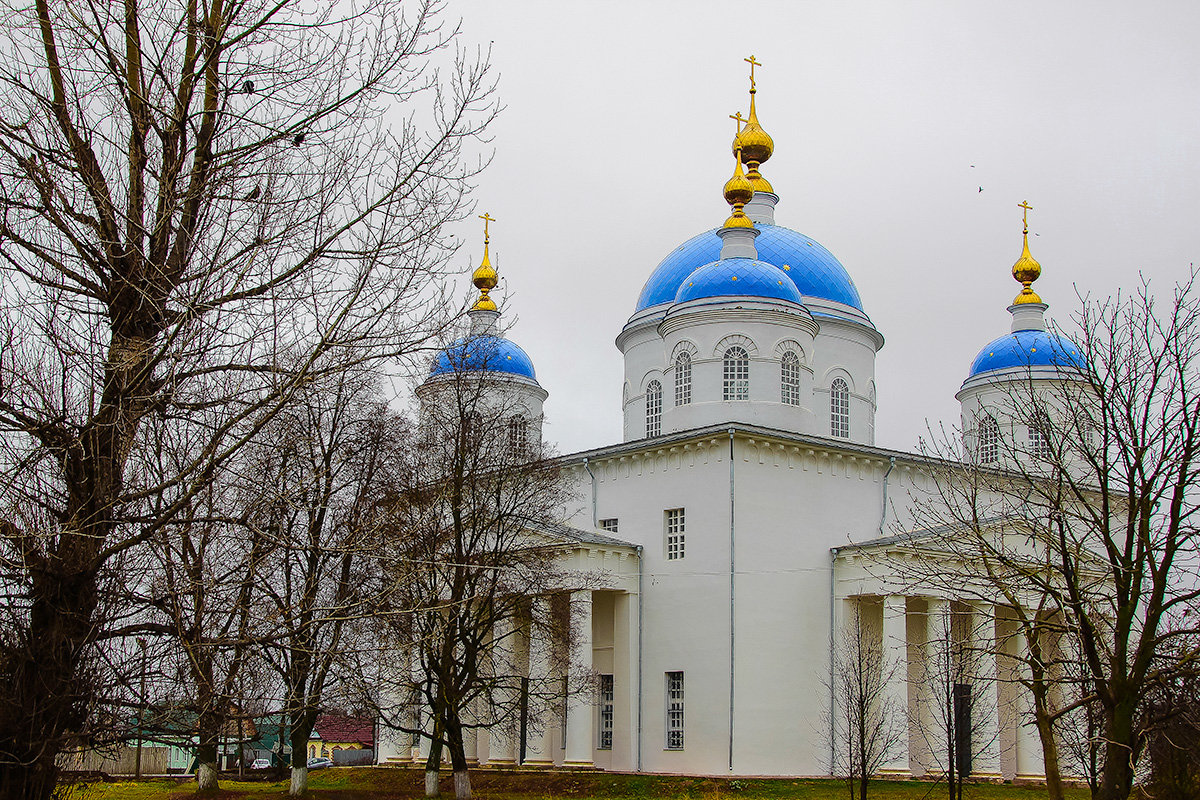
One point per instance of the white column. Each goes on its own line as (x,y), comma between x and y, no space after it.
(538,750)
(626,729)
(1030,764)
(895,666)
(580,708)
(938,633)
(502,741)
(985,706)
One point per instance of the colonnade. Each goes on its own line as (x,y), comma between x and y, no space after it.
(934,649)
(566,733)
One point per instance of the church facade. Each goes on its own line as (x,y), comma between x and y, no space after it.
(738,520)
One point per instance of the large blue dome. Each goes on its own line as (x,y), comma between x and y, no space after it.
(813,269)
(1027,349)
(483,353)
(738,277)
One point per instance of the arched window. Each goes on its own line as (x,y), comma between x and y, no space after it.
(472,429)
(789,379)
(1039,439)
(989,441)
(839,409)
(518,433)
(683,379)
(654,409)
(737,374)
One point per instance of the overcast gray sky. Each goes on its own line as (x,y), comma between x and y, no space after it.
(887,118)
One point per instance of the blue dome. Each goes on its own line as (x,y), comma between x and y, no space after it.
(1028,349)
(483,353)
(738,277)
(812,268)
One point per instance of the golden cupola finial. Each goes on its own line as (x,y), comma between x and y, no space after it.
(738,192)
(485,277)
(1027,269)
(756,145)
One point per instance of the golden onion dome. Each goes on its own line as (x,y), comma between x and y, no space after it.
(485,276)
(1027,269)
(738,189)
(738,192)
(755,143)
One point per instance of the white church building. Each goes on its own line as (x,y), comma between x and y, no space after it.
(736,520)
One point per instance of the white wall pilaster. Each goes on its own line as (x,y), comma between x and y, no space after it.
(581,724)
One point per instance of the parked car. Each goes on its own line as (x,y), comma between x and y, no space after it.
(319,763)
(261,763)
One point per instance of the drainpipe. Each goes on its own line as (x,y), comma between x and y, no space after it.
(639,668)
(595,521)
(833,554)
(883,513)
(731,598)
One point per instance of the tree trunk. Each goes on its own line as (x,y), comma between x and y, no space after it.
(208,730)
(1116,776)
(433,764)
(206,773)
(458,759)
(1045,728)
(299,782)
(48,694)
(299,737)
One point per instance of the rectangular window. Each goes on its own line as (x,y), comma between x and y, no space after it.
(606,712)
(674,710)
(609,525)
(674,526)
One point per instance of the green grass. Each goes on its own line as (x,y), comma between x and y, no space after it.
(365,783)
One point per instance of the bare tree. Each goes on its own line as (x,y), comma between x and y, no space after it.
(1084,524)
(201,207)
(321,469)
(476,531)
(1173,747)
(875,725)
(203,589)
(957,695)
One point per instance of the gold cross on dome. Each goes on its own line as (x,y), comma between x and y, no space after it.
(486,219)
(1024,204)
(753,63)
(740,120)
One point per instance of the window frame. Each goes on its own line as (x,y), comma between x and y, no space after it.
(987,445)
(839,408)
(674,534)
(735,372)
(789,378)
(611,525)
(518,433)
(673,727)
(683,379)
(605,711)
(654,409)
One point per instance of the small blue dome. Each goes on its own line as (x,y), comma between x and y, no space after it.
(1028,349)
(812,268)
(483,353)
(738,277)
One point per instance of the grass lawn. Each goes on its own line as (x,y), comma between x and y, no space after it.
(366,783)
